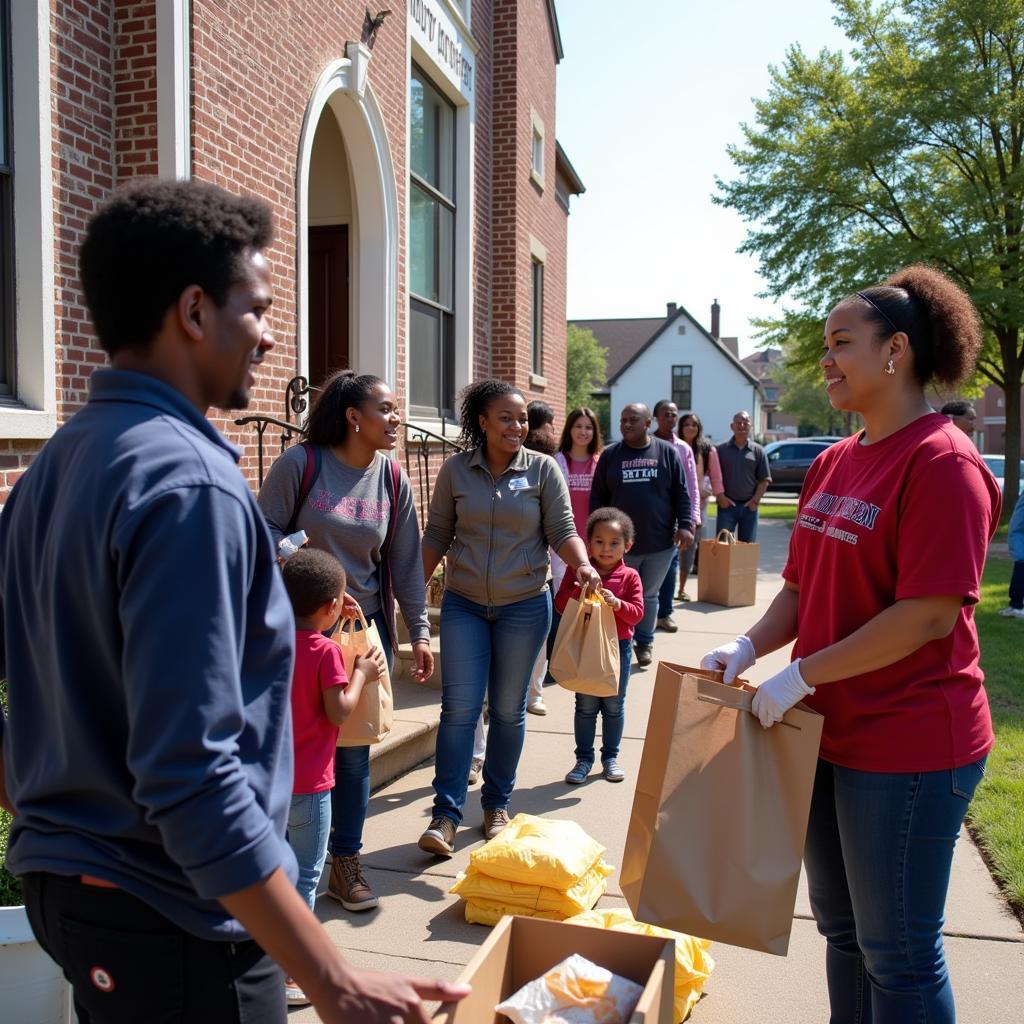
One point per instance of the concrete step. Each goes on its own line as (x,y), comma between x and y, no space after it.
(412,736)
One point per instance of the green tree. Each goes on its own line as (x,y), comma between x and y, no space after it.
(909,150)
(586,366)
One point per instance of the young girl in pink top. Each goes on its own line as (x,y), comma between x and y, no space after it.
(609,536)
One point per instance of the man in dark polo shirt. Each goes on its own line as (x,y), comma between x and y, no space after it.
(745,478)
(147,643)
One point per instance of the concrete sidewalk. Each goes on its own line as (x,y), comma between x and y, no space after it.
(420,929)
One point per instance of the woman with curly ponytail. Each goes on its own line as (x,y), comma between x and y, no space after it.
(355,503)
(494,511)
(880,587)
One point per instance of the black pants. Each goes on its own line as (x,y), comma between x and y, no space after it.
(128,964)
(1017,586)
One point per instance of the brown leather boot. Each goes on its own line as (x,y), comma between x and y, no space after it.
(348,885)
(495,819)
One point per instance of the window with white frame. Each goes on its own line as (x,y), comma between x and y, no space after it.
(682,387)
(431,250)
(537,149)
(537,318)
(6,212)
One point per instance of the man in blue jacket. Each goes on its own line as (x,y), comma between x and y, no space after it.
(147,643)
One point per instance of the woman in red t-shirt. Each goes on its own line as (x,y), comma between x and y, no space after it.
(880,587)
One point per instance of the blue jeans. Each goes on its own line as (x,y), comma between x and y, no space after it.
(485,650)
(1017,586)
(351,794)
(652,568)
(309,822)
(878,856)
(613,715)
(667,593)
(739,520)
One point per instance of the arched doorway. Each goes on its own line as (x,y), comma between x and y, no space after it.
(346,180)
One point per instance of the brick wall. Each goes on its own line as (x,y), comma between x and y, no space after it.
(524,81)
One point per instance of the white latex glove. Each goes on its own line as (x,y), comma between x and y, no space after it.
(731,658)
(777,695)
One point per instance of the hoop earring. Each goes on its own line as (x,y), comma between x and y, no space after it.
(889,368)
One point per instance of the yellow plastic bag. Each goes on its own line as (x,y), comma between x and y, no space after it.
(487,899)
(693,962)
(541,851)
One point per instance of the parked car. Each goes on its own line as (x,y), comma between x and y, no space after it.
(789,461)
(997,463)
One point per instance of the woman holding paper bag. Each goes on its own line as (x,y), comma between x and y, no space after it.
(883,573)
(495,510)
(358,507)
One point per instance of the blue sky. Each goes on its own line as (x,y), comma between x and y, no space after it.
(649,96)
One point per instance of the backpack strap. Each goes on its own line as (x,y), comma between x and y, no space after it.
(314,460)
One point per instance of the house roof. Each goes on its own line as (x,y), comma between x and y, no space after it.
(627,340)
(555,32)
(564,167)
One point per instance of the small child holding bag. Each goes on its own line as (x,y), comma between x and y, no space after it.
(610,534)
(323,696)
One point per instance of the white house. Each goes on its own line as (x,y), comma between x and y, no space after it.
(676,358)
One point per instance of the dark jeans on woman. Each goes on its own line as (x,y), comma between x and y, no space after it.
(1017,586)
(485,650)
(613,715)
(127,963)
(878,857)
(351,794)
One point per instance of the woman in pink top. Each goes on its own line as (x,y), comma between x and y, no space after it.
(709,476)
(577,454)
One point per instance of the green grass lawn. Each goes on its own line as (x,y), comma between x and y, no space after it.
(996,817)
(766,511)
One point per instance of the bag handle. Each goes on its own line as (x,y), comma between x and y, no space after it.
(730,537)
(350,624)
(718,702)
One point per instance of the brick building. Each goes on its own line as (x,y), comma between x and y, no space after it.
(419,193)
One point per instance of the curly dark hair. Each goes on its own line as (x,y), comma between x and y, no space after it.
(596,442)
(153,239)
(958,407)
(312,578)
(608,514)
(474,401)
(937,316)
(344,389)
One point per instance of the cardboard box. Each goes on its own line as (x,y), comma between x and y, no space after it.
(520,949)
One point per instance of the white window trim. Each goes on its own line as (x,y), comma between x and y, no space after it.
(465,212)
(537,130)
(32,412)
(173,89)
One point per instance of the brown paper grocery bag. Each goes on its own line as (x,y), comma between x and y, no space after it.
(719,817)
(373,716)
(727,571)
(585,656)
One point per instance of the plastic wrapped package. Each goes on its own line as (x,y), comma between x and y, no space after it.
(693,962)
(576,991)
(487,898)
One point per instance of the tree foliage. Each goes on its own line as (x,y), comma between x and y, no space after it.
(911,149)
(586,366)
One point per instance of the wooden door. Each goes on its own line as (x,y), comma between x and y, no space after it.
(328,301)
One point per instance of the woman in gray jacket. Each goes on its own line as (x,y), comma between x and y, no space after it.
(495,510)
(356,504)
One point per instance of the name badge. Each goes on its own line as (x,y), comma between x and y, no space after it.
(518,483)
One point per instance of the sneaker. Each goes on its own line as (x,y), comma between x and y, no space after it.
(476,766)
(439,837)
(348,884)
(643,655)
(668,624)
(294,995)
(683,596)
(495,819)
(1012,613)
(579,774)
(612,771)
(537,707)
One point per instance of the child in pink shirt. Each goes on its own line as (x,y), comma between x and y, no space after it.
(610,535)
(323,696)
